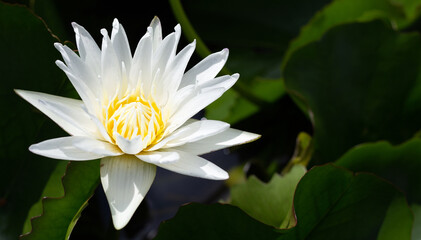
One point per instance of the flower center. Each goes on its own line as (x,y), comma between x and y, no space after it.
(132,115)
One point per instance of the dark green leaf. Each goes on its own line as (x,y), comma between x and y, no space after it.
(60,214)
(333,203)
(401,13)
(27,62)
(400,165)
(360,82)
(216,221)
(330,203)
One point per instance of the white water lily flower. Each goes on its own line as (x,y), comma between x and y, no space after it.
(136,111)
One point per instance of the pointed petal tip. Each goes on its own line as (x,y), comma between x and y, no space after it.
(116,23)
(221,175)
(18,92)
(32,148)
(225,52)
(177,28)
(58,45)
(155,23)
(75,26)
(155,20)
(253,137)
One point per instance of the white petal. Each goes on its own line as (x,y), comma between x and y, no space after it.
(227,138)
(68,148)
(97,146)
(125,180)
(192,106)
(101,128)
(88,50)
(156,32)
(141,70)
(175,71)
(194,166)
(225,82)
(190,133)
(158,157)
(207,69)
(80,83)
(66,112)
(121,44)
(164,53)
(79,68)
(110,66)
(133,146)
(191,93)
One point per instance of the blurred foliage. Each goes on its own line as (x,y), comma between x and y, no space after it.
(334,82)
(258,41)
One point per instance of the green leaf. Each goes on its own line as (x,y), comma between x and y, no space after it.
(416,230)
(361,83)
(400,164)
(215,221)
(398,222)
(53,189)
(401,13)
(269,203)
(27,62)
(330,203)
(334,203)
(60,214)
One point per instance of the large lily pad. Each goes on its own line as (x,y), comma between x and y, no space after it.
(361,83)
(330,203)
(334,203)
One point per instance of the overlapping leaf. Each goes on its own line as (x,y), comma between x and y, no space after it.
(269,203)
(400,13)
(361,83)
(61,214)
(400,164)
(330,203)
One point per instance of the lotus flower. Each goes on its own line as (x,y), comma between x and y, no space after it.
(136,112)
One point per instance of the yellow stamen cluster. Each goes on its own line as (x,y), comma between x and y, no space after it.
(133,115)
